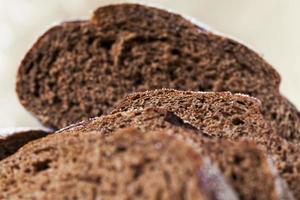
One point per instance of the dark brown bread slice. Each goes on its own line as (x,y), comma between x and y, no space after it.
(225,115)
(13,139)
(244,166)
(79,69)
(148,119)
(124,165)
(220,114)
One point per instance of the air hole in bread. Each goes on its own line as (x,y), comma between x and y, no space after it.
(234,176)
(175,52)
(241,102)
(238,159)
(90,40)
(273,116)
(108,71)
(107,44)
(237,121)
(121,148)
(138,79)
(189,68)
(173,75)
(288,169)
(41,165)
(137,170)
(54,56)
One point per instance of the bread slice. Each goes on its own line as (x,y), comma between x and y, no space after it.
(79,69)
(220,114)
(124,165)
(224,115)
(13,139)
(148,119)
(242,163)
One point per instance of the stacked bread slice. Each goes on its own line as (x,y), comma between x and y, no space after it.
(145,106)
(13,139)
(147,153)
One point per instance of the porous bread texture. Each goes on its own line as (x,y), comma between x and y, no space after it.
(144,119)
(224,115)
(124,165)
(13,139)
(242,163)
(79,69)
(220,114)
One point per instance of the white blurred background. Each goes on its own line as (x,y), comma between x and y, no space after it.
(271,27)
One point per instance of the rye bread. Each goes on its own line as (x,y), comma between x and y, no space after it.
(124,165)
(243,164)
(79,69)
(225,115)
(13,139)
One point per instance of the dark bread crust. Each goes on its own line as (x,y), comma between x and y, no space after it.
(78,70)
(242,163)
(224,115)
(124,165)
(12,140)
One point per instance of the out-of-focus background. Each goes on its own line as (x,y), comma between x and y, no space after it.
(271,27)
